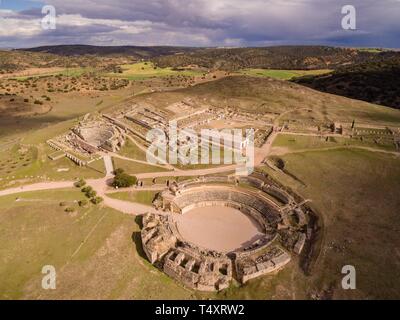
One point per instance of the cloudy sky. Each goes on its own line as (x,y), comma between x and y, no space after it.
(200,22)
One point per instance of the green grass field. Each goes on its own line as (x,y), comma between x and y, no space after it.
(357,199)
(70,72)
(94,251)
(282,74)
(357,194)
(144,197)
(23,165)
(131,167)
(132,151)
(298,143)
(145,70)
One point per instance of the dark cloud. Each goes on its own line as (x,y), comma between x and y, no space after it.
(214,22)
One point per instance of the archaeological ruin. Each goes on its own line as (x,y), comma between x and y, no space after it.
(283,223)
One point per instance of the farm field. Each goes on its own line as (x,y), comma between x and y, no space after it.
(145,70)
(283,74)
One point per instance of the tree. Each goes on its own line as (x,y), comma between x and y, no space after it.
(123,180)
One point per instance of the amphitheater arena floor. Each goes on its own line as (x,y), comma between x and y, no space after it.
(218,228)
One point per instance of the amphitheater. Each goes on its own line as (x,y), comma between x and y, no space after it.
(99,135)
(213,230)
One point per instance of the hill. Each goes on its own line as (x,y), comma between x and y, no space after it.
(17,60)
(297,103)
(283,57)
(137,52)
(374,81)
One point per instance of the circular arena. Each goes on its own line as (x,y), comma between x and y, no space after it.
(218,227)
(213,229)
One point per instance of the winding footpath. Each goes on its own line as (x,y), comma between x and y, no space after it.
(102,187)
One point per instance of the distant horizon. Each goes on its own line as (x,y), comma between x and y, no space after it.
(202,47)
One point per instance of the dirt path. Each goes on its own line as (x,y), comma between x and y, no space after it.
(38,187)
(108,164)
(187,173)
(101,186)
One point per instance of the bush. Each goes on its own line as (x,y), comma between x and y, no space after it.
(123,180)
(80,183)
(82,203)
(118,171)
(87,189)
(91,194)
(69,209)
(96,200)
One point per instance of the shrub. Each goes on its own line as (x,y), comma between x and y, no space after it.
(91,194)
(69,209)
(118,171)
(96,200)
(87,189)
(80,183)
(83,203)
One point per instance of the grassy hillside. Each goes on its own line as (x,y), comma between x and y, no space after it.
(17,60)
(282,74)
(357,195)
(377,82)
(139,52)
(268,95)
(286,58)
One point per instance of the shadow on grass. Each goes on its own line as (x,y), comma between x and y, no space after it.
(137,239)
